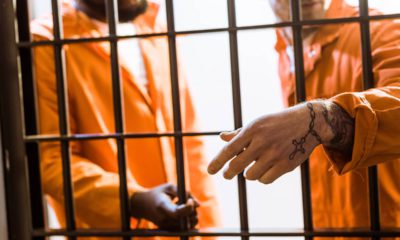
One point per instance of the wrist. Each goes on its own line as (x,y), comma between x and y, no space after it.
(324,130)
(335,126)
(135,205)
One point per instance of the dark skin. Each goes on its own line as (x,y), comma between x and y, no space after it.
(128,10)
(157,204)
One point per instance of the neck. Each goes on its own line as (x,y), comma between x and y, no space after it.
(307,35)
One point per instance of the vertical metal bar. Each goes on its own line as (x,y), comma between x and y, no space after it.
(368,82)
(112,19)
(59,60)
(32,150)
(237,108)
(180,168)
(3,209)
(13,149)
(300,97)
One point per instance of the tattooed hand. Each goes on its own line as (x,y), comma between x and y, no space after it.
(276,144)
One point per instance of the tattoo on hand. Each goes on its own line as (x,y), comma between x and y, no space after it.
(342,126)
(299,144)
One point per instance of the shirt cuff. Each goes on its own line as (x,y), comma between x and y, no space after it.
(365,129)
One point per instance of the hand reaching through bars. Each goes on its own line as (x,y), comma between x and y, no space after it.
(275,144)
(157,205)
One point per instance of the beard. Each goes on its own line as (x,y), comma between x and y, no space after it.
(126,12)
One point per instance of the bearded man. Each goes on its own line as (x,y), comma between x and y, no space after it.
(147,107)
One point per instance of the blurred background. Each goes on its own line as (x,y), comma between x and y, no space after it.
(206,60)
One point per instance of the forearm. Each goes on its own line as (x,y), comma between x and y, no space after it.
(327,124)
(337,128)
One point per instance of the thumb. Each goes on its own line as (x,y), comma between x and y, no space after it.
(173,211)
(227,136)
(169,189)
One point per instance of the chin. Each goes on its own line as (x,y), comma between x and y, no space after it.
(129,13)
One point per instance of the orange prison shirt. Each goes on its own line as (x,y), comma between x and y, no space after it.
(94,167)
(333,69)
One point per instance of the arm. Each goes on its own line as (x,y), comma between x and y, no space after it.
(280,142)
(356,129)
(377,111)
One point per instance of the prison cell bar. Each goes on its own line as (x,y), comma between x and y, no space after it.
(378,233)
(28,96)
(368,82)
(19,217)
(352,233)
(38,138)
(237,110)
(301,97)
(112,19)
(59,61)
(176,108)
(27,44)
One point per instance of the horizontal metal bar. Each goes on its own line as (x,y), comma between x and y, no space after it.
(26,44)
(85,40)
(220,233)
(77,137)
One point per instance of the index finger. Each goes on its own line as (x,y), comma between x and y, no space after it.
(231,149)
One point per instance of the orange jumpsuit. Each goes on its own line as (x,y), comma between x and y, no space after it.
(333,69)
(150,161)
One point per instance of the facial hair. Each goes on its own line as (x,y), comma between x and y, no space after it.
(125,13)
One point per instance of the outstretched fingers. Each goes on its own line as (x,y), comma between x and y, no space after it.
(240,162)
(274,173)
(231,149)
(227,136)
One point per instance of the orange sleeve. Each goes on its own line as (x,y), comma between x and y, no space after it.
(376,111)
(96,191)
(201,183)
